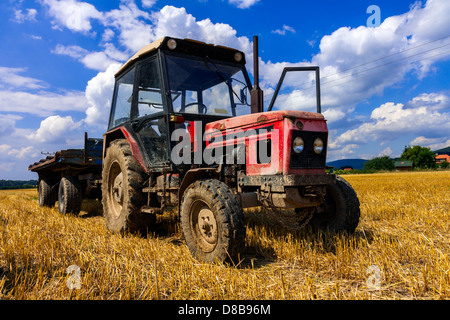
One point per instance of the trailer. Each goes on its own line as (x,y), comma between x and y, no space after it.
(69,176)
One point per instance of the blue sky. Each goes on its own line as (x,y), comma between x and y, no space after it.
(383,87)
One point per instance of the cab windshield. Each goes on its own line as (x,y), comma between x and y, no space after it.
(207,87)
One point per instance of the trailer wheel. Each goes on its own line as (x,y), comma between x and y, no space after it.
(47,196)
(212,221)
(341,208)
(69,195)
(122,198)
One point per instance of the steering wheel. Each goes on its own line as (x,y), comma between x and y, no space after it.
(198,103)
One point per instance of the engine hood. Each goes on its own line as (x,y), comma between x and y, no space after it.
(261,118)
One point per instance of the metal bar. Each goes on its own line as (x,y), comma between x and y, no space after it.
(283,75)
(256,95)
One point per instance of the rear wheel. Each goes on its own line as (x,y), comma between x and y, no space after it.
(340,210)
(122,190)
(69,195)
(212,221)
(47,196)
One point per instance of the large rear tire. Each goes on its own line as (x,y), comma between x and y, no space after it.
(122,198)
(212,221)
(69,195)
(340,212)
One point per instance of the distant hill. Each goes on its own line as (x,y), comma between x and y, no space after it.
(445,150)
(354,163)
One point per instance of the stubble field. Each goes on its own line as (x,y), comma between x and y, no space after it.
(400,250)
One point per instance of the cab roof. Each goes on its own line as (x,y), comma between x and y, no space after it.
(186,46)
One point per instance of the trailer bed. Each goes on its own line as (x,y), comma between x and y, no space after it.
(88,159)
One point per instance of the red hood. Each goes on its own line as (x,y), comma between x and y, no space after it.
(260,118)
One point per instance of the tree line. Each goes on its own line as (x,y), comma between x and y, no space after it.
(421,157)
(18,184)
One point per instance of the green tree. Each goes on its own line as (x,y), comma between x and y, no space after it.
(421,156)
(444,165)
(380,163)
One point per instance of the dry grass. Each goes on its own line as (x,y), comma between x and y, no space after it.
(404,231)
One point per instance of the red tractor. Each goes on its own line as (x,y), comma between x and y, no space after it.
(183,134)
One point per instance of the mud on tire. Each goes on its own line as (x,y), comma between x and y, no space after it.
(122,190)
(212,221)
(340,210)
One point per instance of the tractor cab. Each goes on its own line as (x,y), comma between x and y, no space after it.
(170,84)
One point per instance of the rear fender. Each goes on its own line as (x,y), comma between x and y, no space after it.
(122,133)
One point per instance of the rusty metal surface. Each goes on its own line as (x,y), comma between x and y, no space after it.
(91,155)
(277,183)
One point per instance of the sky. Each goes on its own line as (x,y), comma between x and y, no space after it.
(384,70)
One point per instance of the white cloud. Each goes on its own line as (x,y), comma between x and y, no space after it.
(148,3)
(358,63)
(243,4)
(8,124)
(386,152)
(391,120)
(10,79)
(73,14)
(21,17)
(283,30)
(432,143)
(99,61)
(132,24)
(75,52)
(99,92)
(43,103)
(54,129)
(176,22)
(22,152)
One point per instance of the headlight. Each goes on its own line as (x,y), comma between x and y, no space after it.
(318,146)
(238,57)
(298,145)
(172,44)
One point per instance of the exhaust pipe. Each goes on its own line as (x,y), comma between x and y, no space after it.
(256,95)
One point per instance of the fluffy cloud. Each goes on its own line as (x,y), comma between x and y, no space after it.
(358,63)
(54,129)
(176,22)
(99,61)
(148,3)
(72,14)
(22,16)
(391,120)
(43,103)
(99,92)
(283,30)
(243,4)
(10,79)
(132,24)
(432,143)
(21,94)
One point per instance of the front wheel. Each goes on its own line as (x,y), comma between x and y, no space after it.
(212,221)
(341,208)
